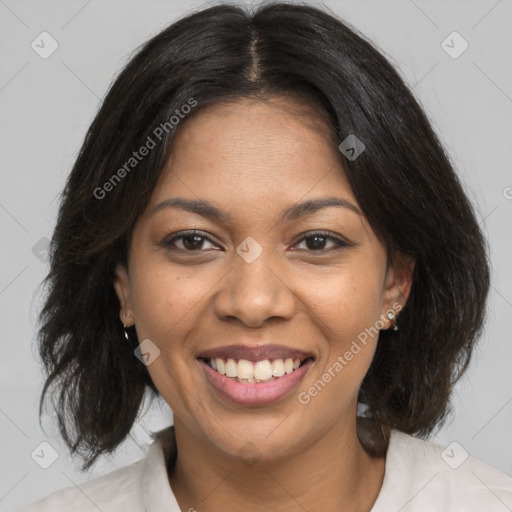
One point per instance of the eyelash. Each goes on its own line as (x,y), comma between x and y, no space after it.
(167,243)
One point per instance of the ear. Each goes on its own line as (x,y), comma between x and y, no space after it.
(397,286)
(123,292)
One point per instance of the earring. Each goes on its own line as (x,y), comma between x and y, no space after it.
(125,327)
(392,317)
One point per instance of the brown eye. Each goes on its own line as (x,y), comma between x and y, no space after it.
(190,242)
(316,242)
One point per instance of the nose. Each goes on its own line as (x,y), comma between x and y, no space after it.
(255,292)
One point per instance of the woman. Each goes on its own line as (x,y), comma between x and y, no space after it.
(262,229)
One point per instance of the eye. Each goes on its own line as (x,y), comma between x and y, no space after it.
(193,241)
(190,241)
(316,242)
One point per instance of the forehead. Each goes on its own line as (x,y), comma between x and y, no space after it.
(283,128)
(254,152)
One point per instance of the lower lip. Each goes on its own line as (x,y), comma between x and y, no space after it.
(254,393)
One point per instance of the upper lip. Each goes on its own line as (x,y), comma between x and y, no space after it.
(255,353)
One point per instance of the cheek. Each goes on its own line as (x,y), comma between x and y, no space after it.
(164,300)
(346,308)
(345,303)
(166,304)
(346,311)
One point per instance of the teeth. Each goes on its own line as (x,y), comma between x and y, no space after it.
(219,363)
(278,367)
(288,366)
(245,370)
(231,368)
(249,371)
(263,370)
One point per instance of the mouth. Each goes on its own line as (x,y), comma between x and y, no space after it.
(251,372)
(254,375)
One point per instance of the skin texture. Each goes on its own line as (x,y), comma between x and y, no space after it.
(253,159)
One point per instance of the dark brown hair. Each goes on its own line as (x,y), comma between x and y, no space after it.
(403,181)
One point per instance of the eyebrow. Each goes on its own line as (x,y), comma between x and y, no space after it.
(296,211)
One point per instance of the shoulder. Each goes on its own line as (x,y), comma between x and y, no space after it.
(117,490)
(142,485)
(422,475)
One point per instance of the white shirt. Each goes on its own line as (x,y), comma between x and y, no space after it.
(419,477)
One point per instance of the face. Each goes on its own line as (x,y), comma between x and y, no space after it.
(267,271)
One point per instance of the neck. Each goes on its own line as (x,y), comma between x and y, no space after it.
(334,473)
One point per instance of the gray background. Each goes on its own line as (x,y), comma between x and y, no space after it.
(47,105)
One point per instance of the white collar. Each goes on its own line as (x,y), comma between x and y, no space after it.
(156,490)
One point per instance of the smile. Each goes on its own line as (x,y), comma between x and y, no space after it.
(272,379)
(249,372)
